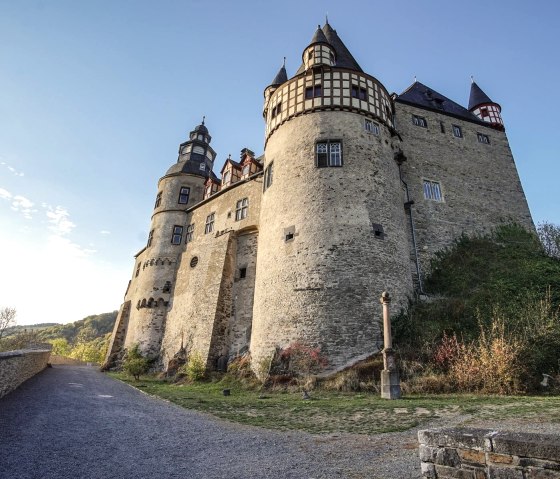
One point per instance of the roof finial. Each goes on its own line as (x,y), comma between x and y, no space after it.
(327,18)
(203,118)
(472,79)
(415,79)
(284,64)
(229,157)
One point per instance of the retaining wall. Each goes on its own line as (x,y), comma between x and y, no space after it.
(18,366)
(486,454)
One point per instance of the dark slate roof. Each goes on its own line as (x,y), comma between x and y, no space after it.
(344,58)
(281,77)
(422,96)
(192,167)
(477,96)
(201,129)
(319,36)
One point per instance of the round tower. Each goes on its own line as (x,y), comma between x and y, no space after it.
(484,108)
(332,225)
(151,288)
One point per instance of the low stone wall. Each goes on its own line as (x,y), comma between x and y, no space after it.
(486,454)
(17,367)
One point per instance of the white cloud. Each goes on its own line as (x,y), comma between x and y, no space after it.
(23,205)
(12,169)
(105,232)
(59,220)
(5,194)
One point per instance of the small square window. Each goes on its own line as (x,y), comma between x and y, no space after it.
(289,236)
(457,132)
(378,231)
(241,209)
(442,126)
(209,227)
(313,91)
(419,121)
(358,92)
(484,112)
(177,236)
(190,233)
(483,138)
(372,127)
(184,195)
(242,273)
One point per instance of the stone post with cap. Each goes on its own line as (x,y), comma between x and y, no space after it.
(390,381)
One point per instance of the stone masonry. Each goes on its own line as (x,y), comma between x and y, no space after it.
(16,367)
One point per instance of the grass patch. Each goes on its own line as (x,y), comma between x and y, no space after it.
(335,412)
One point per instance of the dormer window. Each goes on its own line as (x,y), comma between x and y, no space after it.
(246,169)
(200,137)
(227,178)
(208,191)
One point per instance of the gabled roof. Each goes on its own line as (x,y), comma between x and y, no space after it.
(422,96)
(234,163)
(477,96)
(344,58)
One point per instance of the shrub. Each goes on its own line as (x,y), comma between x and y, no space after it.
(134,363)
(195,367)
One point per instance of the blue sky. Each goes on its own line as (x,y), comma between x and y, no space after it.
(97,95)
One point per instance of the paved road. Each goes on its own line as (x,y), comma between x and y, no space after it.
(74,422)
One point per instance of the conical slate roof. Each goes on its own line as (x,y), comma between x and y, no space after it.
(319,36)
(344,58)
(281,77)
(422,96)
(477,96)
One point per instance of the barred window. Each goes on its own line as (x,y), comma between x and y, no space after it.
(158,199)
(177,236)
(483,138)
(432,190)
(419,121)
(184,195)
(241,209)
(372,127)
(209,223)
(329,153)
(457,132)
(190,233)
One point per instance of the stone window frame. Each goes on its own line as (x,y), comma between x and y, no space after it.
(150,238)
(419,121)
(432,190)
(177,235)
(482,138)
(209,227)
(184,194)
(189,236)
(268,176)
(457,131)
(371,126)
(241,209)
(158,199)
(330,159)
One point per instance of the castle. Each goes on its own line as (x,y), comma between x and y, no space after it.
(356,190)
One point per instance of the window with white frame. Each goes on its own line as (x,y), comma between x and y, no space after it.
(209,227)
(328,153)
(372,127)
(457,131)
(241,209)
(190,233)
(177,236)
(184,195)
(419,121)
(483,138)
(432,190)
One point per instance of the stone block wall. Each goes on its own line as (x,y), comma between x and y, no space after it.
(486,454)
(16,367)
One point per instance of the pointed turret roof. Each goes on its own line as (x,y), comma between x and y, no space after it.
(423,96)
(281,77)
(344,58)
(477,96)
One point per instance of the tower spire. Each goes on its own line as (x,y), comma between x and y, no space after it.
(484,108)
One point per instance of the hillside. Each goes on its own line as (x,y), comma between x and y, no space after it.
(91,327)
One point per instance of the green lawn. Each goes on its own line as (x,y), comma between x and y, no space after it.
(329,412)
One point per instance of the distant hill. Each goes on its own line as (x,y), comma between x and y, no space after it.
(91,327)
(28,327)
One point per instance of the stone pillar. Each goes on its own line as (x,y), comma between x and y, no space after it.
(390,381)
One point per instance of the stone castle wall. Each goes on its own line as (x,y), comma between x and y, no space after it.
(323,286)
(480,185)
(16,367)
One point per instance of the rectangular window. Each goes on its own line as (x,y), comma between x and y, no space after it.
(177,236)
(209,224)
(158,199)
(184,195)
(484,112)
(241,209)
(227,177)
(150,238)
(190,233)
(432,190)
(268,172)
(372,127)
(313,91)
(242,273)
(483,138)
(359,92)
(419,121)
(442,126)
(328,153)
(457,132)
(246,170)
(138,270)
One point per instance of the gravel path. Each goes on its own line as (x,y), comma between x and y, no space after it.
(74,422)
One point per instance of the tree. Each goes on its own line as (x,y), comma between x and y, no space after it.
(60,346)
(549,234)
(7,319)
